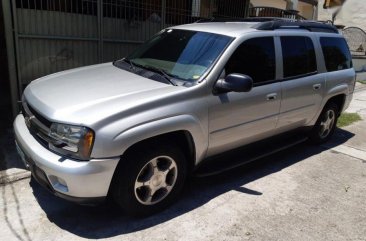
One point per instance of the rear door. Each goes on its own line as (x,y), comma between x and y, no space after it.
(338,62)
(302,85)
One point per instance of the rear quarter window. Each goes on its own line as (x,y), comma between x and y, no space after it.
(336,54)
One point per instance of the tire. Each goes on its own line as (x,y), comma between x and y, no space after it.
(139,180)
(325,125)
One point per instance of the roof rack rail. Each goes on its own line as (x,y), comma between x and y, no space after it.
(250,19)
(273,23)
(311,26)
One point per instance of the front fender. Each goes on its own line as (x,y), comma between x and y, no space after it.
(128,137)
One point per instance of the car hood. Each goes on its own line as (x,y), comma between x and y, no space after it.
(88,94)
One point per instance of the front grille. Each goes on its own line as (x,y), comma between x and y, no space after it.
(38,125)
(43,120)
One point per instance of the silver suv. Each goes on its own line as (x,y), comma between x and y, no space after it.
(134,129)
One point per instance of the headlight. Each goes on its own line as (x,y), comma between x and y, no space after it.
(69,140)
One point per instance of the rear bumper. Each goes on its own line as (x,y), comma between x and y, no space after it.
(78,181)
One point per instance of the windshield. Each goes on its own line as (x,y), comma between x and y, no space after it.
(183,54)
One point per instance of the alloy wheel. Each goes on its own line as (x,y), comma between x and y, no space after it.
(327,123)
(156,180)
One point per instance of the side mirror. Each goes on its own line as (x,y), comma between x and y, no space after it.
(234,83)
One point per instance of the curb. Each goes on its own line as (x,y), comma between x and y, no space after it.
(13,175)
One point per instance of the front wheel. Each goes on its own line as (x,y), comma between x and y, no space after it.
(325,125)
(149,178)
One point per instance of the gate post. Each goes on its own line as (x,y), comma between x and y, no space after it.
(100,30)
(11,55)
(163,13)
(210,15)
(247,5)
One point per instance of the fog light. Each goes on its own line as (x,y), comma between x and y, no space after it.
(58,183)
(62,181)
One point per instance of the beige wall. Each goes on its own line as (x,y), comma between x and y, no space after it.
(269,3)
(306,10)
(352,14)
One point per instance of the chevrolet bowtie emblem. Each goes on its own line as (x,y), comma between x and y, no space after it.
(28,120)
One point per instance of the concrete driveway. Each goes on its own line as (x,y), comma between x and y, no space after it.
(303,193)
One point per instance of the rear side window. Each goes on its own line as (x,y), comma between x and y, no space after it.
(336,53)
(298,56)
(256,58)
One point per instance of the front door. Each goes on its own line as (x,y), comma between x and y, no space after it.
(236,119)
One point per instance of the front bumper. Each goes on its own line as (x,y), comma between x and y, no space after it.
(78,181)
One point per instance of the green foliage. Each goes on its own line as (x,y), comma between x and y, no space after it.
(347,119)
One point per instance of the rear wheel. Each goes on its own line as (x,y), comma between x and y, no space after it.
(325,125)
(149,178)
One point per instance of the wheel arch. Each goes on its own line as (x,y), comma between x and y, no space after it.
(339,100)
(186,130)
(182,138)
(188,125)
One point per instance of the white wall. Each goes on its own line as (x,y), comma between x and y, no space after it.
(353,14)
(359,64)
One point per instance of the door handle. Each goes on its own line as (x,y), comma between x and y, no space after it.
(272,96)
(317,86)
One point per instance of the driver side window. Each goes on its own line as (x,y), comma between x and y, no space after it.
(256,58)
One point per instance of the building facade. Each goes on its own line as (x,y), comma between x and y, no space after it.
(352,13)
(305,8)
(350,16)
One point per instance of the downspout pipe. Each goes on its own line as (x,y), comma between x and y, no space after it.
(292,5)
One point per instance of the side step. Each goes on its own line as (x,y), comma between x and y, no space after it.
(244,155)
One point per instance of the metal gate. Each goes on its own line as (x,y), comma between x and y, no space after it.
(54,35)
(356,40)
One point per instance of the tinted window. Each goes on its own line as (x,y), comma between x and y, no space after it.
(298,56)
(255,58)
(336,54)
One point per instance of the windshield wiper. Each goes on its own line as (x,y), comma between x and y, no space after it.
(162,72)
(129,62)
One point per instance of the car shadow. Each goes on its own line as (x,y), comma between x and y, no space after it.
(9,157)
(104,221)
